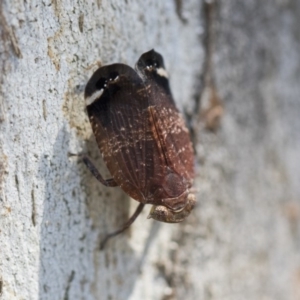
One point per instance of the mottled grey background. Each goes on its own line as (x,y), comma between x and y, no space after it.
(243,239)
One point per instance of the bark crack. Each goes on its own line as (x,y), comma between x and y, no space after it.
(33,212)
(210,105)
(8,34)
(71,277)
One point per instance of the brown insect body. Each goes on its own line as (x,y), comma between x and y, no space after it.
(142,136)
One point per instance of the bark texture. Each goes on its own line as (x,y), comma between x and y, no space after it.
(233,61)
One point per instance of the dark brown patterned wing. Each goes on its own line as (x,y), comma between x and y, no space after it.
(170,127)
(117,105)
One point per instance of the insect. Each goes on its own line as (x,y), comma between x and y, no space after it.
(142,138)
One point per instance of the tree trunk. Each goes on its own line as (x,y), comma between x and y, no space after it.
(234,72)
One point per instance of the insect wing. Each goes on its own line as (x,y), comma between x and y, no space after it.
(169,124)
(118,112)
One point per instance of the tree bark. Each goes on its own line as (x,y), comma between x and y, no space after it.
(234,72)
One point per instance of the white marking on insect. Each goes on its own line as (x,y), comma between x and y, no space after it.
(93,97)
(162,72)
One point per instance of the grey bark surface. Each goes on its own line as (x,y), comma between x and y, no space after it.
(241,241)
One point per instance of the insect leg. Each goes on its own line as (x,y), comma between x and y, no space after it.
(124,227)
(95,172)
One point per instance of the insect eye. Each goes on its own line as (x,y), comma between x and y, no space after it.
(162,212)
(152,63)
(101,83)
(113,75)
